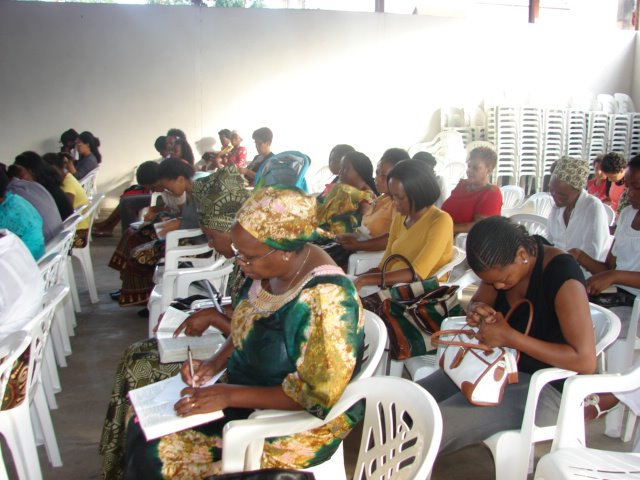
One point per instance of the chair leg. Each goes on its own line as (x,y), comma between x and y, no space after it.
(18,433)
(69,314)
(3,470)
(71,278)
(58,340)
(44,418)
(50,380)
(84,256)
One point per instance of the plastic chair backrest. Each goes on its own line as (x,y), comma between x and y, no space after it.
(457,257)
(535,224)
(541,203)
(512,196)
(360,262)
(286,168)
(611,214)
(90,183)
(50,267)
(375,340)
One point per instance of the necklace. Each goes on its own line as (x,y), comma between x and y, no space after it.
(295,275)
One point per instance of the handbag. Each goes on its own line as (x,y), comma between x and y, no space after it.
(480,372)
(410,324)
(405,291)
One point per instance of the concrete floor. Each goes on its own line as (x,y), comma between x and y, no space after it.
(104,330)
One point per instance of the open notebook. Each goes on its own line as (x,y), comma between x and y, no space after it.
(175,349)
(154,403)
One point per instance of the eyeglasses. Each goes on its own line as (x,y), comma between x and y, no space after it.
(249,261)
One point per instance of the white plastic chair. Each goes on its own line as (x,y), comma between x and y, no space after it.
(512,449)
(375,341)
(512,196)
(84,254)
(11,348)
(540,204)
(402,430)
(569,457)
(23,424)
(52,270)
(620,357)
(535,224)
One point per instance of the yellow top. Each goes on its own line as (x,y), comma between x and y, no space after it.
(427,244)
(379,220)
(71,185)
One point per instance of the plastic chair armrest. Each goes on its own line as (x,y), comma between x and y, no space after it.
(174,237)
(174,255)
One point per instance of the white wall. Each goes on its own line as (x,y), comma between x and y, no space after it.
(128,73)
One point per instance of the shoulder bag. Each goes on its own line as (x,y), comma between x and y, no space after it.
(481,372)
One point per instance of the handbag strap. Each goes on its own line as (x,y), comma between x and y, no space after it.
(436,340)
(388,260)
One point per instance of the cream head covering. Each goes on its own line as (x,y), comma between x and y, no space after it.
(280,216)
(573,171)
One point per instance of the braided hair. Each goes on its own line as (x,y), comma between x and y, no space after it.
(494,242)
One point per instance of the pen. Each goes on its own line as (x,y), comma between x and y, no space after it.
(190,358)
(214,296)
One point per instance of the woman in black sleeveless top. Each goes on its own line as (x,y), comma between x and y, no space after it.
(514,265)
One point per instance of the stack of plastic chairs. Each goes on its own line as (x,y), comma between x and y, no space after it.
(576,133)
(624,103)
(634,140)
(619,133)
(552,139)
(598,128)
(530,137)
(507,142)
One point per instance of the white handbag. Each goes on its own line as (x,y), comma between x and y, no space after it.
(481,372)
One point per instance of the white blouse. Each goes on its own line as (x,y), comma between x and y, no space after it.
(588,227)
(626,247)
(21,285)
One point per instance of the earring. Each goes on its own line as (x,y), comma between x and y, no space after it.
(526,260)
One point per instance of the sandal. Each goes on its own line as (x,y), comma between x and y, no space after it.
(593,400)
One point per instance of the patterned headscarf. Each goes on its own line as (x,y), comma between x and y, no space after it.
(280,216)
(573,171)
(218,197)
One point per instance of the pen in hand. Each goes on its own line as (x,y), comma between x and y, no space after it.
(190,359)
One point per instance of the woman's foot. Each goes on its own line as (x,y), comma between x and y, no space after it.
(115,295)
(597,405)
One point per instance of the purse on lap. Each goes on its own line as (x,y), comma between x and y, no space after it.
(481,372)
(405,291)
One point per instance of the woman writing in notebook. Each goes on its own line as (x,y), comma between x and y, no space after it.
(296,340)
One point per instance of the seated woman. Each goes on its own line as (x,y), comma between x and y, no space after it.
(377,220)
(74,191)
(577,220)
(40,198)
(88,150)
(296,340)
(622,265)
(238,154)
(474,198)
(598,186)
(613,166)
(33,168)
(513,265)
(21,218)
(182,150)
(262,138)
(341,211)
(139,250)
(420,232)
(218,198)
(335,163)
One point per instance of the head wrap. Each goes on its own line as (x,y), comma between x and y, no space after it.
(280,216)
(573,171)
(218,197)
